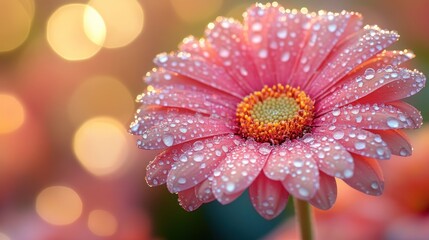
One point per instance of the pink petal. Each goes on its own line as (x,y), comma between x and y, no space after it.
(257,21)
(354,51)
(325,31)
(375,86)
(397,141)
(203,191)
(413,116)
(332,158)
(354,25)
(226,38)
(357,141)
(188,200)
(370,116)
(381,60)
(197,47)
(367,177)
(239,170)
(293,164)
(268,197)
(191,98)
(183,128)
(157,170)
(327,194)
(160,77)
(198,163)
(282,159)
(146,117)
(276,37)
(200,70)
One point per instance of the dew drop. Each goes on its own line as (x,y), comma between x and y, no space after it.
(198,146)
(360,145)
(224,53)
(230,187)
(404,152)
(336,112)
(168,140)
(348,173)
(374,185)
(181,180)
(285,57)
(338,135)
(256,39)
(216,173)
(298,162)
(332,27)
(263,53)
(163,58)
(303,192)
(183,130)
(282,34)
(392,122)
(198,157)
(243,72)
(256,27)
(369,74)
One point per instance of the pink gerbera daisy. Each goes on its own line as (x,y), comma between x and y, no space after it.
(280,105)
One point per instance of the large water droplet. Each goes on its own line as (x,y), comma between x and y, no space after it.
(181,180)
(198,157)
(230,187)
(392,122)
(298,162)
(369,74)
(282,34)
(168,140)
(198,145)
(360,145)
(338,135)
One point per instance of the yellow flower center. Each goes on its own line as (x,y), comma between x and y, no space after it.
(275,114)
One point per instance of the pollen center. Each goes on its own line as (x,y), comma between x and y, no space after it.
(275,114)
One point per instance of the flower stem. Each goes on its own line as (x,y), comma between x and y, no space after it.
(304,217)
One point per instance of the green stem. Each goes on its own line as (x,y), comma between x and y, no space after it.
(305,220)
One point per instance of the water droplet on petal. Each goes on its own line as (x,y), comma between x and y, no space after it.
(348,173)
(332,27)
(168,140)
(374,185)
(282,34)
(198,157)
(230,187)
(303,192)
(198,145)
(181,180)
(338,135)
(392,122)
(298,162)
(360,145)
(369,74)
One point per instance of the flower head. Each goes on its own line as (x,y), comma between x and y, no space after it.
(280,105)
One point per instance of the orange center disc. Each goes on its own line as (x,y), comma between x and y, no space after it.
(275,114)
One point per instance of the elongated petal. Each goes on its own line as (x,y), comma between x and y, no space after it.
(376,86)
(183,128)
(397,141)
(200,70)
(204,192)
(331,157)
(367,177)
(268,197)
(327,194)
(292,163)
(239,170)
(357,141)
(191,99)
(365,44)
(157,170)
(371,116)
(324,33)
(198,163)
(188,200)
(226,38)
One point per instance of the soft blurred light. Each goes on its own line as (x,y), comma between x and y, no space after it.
(102,223)
(124,20)
(94,26)
(15,22)
(101,95)
(196,10)
(69,29)
(4,236)
(101,146)
(59,205)
(12,113)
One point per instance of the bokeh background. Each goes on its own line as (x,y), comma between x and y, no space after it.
(69,74)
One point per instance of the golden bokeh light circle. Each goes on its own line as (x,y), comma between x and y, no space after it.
(59,205)
(101,145)
(69,30)
(102,223)
(12,113)
(124,20)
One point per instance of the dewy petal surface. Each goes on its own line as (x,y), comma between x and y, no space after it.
(239,169)
(268,197)
(218,109)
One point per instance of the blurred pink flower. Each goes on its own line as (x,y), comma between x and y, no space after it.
(282,105)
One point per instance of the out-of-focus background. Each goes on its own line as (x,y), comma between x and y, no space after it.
(69,73)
